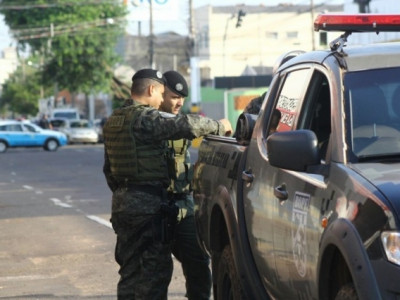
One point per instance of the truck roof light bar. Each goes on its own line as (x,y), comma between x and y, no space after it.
(357,22)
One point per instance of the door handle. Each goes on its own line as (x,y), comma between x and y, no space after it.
(247,176)
(280,192)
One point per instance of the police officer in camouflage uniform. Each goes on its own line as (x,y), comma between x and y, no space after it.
(195,263)
(135,167)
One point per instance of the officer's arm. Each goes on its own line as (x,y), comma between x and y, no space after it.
(155,125)
(111,182)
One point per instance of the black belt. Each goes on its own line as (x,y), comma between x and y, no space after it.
(177,196)
(156,190)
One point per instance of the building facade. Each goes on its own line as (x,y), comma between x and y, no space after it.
(242,39)
(8,64)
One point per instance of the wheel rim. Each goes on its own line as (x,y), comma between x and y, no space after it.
(52,145)
(2,147)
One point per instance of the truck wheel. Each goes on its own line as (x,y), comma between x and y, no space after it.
(347,292)
(228,283)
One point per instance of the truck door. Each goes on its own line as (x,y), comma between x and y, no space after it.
(286,228)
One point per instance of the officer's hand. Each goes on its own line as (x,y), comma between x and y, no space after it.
(227,126)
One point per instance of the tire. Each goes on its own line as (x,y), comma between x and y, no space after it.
(228,283)
(51,145)
(347,292)
(3,146)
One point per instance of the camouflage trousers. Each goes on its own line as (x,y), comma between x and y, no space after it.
(145,263)
(195,263)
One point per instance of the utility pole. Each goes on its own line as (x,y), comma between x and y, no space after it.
(363,6)
(312,25)
(50,40)
(195,90)
(49,49)
(191,30)
(151,41)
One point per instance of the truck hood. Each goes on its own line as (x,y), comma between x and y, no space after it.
(386,177)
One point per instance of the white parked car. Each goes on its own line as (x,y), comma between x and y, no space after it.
(77,131)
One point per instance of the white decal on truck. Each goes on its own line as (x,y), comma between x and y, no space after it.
(301,205)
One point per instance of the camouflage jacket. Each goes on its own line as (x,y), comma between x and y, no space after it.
(153,126)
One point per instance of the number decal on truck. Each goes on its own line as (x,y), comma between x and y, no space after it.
(301,205)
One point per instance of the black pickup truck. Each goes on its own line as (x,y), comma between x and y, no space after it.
(309,207)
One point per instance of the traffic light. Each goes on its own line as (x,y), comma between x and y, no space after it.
(241,14)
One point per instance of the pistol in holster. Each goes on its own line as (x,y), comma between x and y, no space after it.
(169,214)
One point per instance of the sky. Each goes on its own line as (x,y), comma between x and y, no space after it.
(176,18)
(178,10)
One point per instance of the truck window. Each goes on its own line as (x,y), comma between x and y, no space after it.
(304,103)
(289,100)
(316,111)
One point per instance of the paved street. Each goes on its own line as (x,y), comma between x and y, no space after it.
(56,240)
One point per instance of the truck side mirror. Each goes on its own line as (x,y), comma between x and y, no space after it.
(293,150)
(244,128)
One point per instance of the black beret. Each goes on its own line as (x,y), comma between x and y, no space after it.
(176,83)
(149,73)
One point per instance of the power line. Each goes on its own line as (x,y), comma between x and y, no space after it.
(50,5)
(46,32)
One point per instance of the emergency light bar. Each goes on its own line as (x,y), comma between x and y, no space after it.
(357,22)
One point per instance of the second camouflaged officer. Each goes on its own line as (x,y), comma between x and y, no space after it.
(185,247)
(135,167)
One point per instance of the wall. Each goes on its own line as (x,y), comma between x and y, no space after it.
(8,64)
(265,33)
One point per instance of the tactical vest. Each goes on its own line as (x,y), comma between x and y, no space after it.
(180,167)
(130,159)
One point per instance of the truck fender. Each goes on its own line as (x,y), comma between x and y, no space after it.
(342,235)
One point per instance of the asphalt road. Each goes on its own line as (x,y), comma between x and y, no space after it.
(56,239)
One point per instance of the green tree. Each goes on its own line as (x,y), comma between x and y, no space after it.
(76,39)
(22,91)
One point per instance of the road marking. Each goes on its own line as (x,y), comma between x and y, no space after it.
(28,187)
(26,277)
(100,221)
(96,219)
(58,202)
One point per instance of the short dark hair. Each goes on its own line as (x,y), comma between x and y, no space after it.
(140,85)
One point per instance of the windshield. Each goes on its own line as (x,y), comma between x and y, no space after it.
(66,115)
(80,124)
(373,102)
(57,123)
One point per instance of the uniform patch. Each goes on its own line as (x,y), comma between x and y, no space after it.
(179,87)
(167,115)
(115,121)
(301,206)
